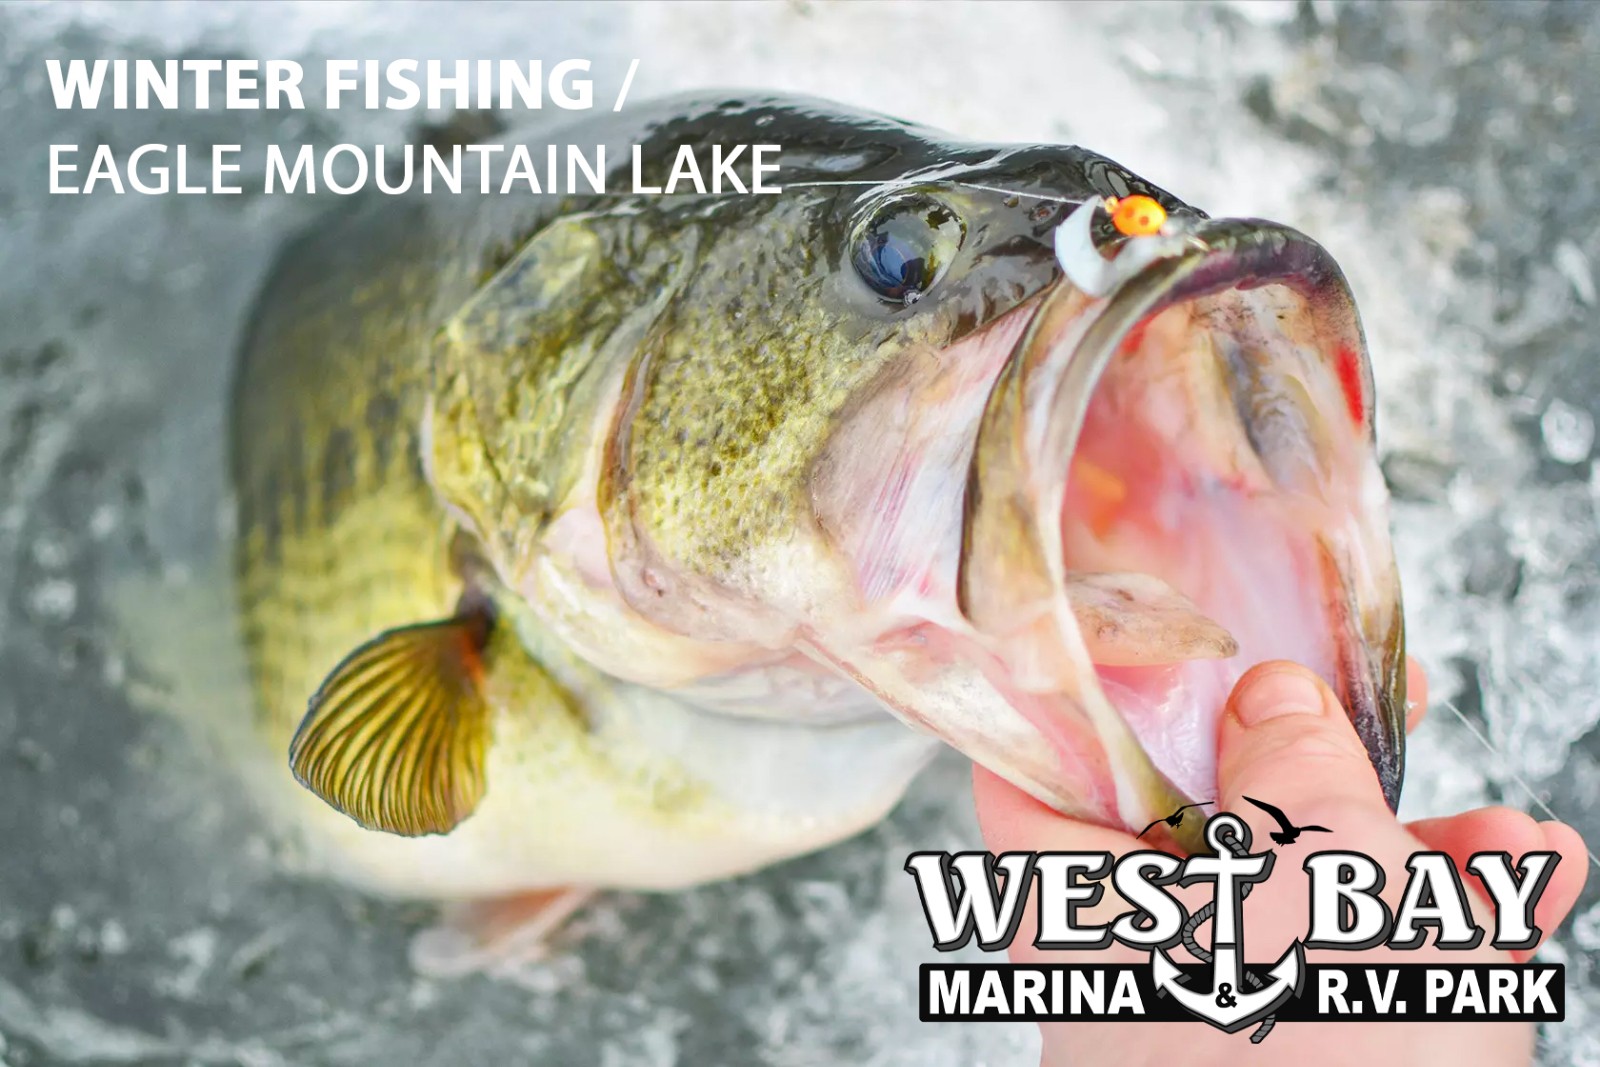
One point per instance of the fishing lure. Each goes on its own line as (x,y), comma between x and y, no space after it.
(1151,234)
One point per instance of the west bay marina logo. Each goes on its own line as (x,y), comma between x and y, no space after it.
(977,895)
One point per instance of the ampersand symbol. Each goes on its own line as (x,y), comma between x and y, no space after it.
(1225,998)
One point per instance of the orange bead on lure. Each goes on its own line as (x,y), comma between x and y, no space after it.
(1152,236)
(1136,216)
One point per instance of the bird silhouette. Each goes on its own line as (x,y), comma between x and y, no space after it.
(1290,831)
(1175,818)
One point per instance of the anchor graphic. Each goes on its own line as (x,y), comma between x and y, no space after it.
(1227,1005)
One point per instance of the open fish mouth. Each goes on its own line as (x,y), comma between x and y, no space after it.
(1172,483)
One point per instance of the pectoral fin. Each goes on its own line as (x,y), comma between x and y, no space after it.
(398,735)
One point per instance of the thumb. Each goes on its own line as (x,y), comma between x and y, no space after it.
(1286,740)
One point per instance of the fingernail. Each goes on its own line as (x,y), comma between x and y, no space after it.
(1271,694)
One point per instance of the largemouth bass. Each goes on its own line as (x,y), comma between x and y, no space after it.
(618,540)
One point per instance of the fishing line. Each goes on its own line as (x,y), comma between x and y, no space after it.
(900,183)
(1512,774)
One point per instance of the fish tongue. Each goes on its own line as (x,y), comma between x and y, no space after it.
(1123,619)
(1137,620)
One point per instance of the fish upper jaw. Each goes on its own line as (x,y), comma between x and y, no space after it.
(888,494)
(893,494)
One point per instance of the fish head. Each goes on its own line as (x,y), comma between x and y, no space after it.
(868,430)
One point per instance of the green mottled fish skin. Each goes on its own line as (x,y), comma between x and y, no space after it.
(339,536)
(742,313)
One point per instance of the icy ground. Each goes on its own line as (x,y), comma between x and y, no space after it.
(1448,155)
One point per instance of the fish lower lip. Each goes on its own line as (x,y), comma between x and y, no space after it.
(1015,563)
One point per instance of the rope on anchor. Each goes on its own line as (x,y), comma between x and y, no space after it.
(1204,914)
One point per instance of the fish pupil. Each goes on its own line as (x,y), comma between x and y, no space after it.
(901,249)
(892,264)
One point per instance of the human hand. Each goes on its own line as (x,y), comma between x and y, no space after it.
(1285,738)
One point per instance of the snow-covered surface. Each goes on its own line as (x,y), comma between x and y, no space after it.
(1447,155)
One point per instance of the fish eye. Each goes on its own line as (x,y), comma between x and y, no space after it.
(901,248)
